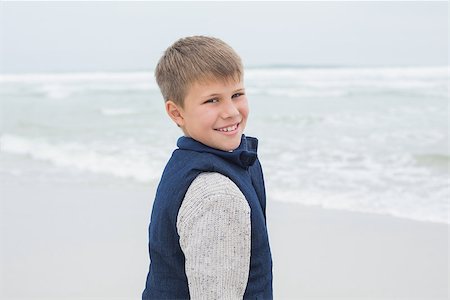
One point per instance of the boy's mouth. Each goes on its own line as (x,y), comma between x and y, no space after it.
(229,128)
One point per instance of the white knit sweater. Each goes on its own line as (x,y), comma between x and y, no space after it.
(215,234)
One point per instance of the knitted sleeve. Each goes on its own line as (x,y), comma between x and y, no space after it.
(214,227)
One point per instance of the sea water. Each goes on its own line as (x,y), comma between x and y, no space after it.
(360,139)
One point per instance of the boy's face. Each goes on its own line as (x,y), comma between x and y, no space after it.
(209,107)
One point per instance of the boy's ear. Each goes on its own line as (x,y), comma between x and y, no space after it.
(175,113)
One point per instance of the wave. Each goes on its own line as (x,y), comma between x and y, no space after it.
(288,82)
(336,179)
(351,202)
(80,157)
(341,82)
(64,85)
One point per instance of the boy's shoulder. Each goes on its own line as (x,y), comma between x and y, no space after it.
(208,184)
(212,196)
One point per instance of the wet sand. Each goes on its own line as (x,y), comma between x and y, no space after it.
(75,241)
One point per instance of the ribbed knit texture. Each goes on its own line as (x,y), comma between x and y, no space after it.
(215,235)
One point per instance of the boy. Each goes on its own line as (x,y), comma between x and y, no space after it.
(207,235)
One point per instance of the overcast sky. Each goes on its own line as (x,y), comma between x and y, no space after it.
(109,36)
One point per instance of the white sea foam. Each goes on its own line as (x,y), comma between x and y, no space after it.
(64,85)
(372,139)
(351,202)
(78,156)
(338,82)
(292,82)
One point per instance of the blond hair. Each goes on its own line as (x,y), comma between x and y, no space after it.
(195,59)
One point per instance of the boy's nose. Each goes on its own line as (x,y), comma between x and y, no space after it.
(229,109)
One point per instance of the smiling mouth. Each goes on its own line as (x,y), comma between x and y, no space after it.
(228,129)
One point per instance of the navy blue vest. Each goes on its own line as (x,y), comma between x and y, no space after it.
(166,278)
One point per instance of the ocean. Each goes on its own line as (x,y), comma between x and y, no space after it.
(361,139)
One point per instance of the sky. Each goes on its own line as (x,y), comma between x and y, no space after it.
(126,36)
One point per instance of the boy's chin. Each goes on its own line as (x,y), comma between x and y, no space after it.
(229,147)
(228,144)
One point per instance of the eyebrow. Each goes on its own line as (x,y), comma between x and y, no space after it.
(215,94)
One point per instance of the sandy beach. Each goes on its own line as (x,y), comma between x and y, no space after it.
(83,242)
(349,102)
(331,254)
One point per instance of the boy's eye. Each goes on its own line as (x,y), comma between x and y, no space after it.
(211,100)
(237,95)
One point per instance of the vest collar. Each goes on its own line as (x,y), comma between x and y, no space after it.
(244,156)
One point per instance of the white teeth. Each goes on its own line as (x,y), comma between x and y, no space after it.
(228,128)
